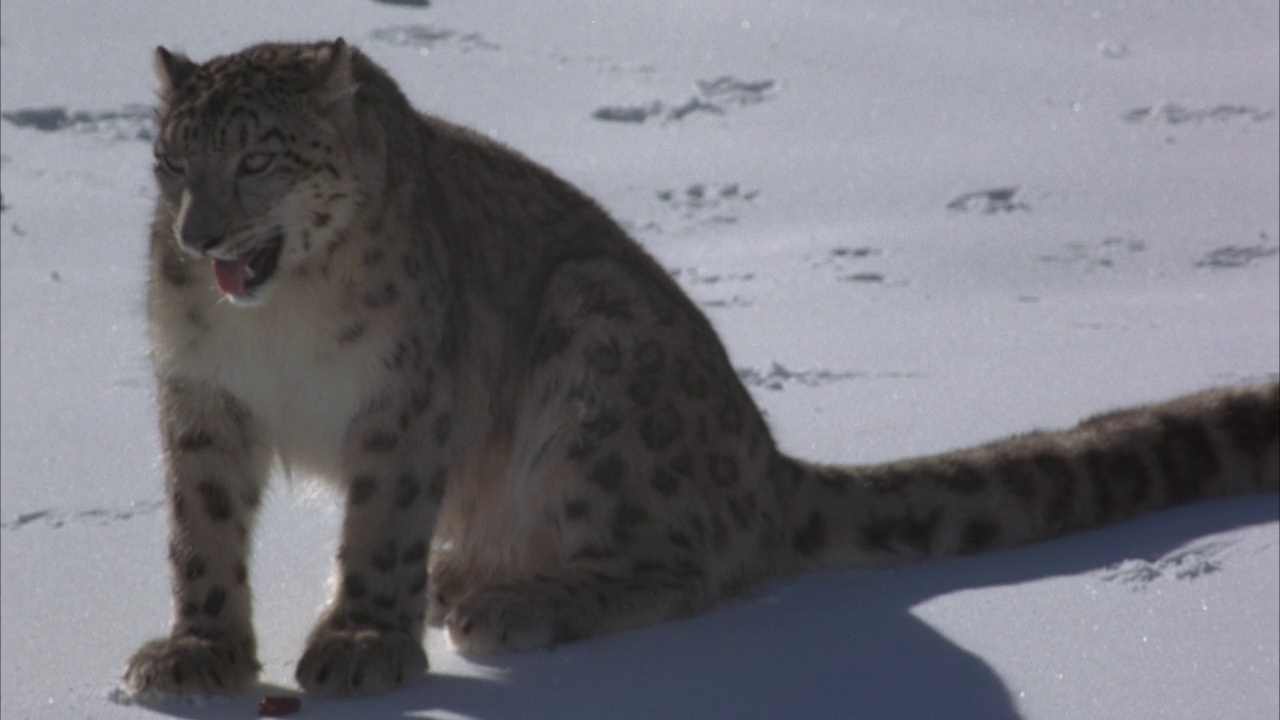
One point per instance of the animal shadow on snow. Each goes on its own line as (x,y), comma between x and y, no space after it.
(834,644)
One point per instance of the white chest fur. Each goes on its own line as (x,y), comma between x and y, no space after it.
(283,360)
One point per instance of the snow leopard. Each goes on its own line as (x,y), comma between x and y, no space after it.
(537,435)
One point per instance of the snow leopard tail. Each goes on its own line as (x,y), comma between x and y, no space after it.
(1034,486)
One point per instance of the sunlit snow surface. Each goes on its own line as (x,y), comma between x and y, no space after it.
(917,225)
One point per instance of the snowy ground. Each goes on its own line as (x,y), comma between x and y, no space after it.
(916,227)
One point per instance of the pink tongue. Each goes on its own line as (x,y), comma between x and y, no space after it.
(232,274)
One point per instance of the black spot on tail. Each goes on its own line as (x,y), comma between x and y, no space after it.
(1252,423)
(1061,477)
(1186,457)
(961,478)
(1120,481)
(980,534)
(893,533)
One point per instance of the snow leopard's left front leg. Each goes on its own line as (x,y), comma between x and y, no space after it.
(216,463)
(370,638)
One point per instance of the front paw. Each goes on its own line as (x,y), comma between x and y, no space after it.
(495,619)
(190,665)
(359,662)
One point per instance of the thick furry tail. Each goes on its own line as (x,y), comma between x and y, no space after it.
(1030,487)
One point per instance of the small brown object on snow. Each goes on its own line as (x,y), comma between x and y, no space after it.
(279,705)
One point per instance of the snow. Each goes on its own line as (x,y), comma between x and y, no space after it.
(916,225)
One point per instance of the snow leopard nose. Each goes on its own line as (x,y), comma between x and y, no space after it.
(200,228)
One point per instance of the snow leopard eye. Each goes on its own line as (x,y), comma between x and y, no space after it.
(255,163)
(172,164)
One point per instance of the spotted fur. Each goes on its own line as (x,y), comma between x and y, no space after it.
(538,436)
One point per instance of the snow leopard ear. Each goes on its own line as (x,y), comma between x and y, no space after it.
(336,86)
(172,69)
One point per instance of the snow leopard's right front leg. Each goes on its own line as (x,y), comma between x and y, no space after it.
(216,463)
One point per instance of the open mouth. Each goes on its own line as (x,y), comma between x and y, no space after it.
(241,276)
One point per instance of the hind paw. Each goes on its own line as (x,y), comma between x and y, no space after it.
(496,619)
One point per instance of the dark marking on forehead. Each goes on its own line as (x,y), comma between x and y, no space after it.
(229,93)
(272,133)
